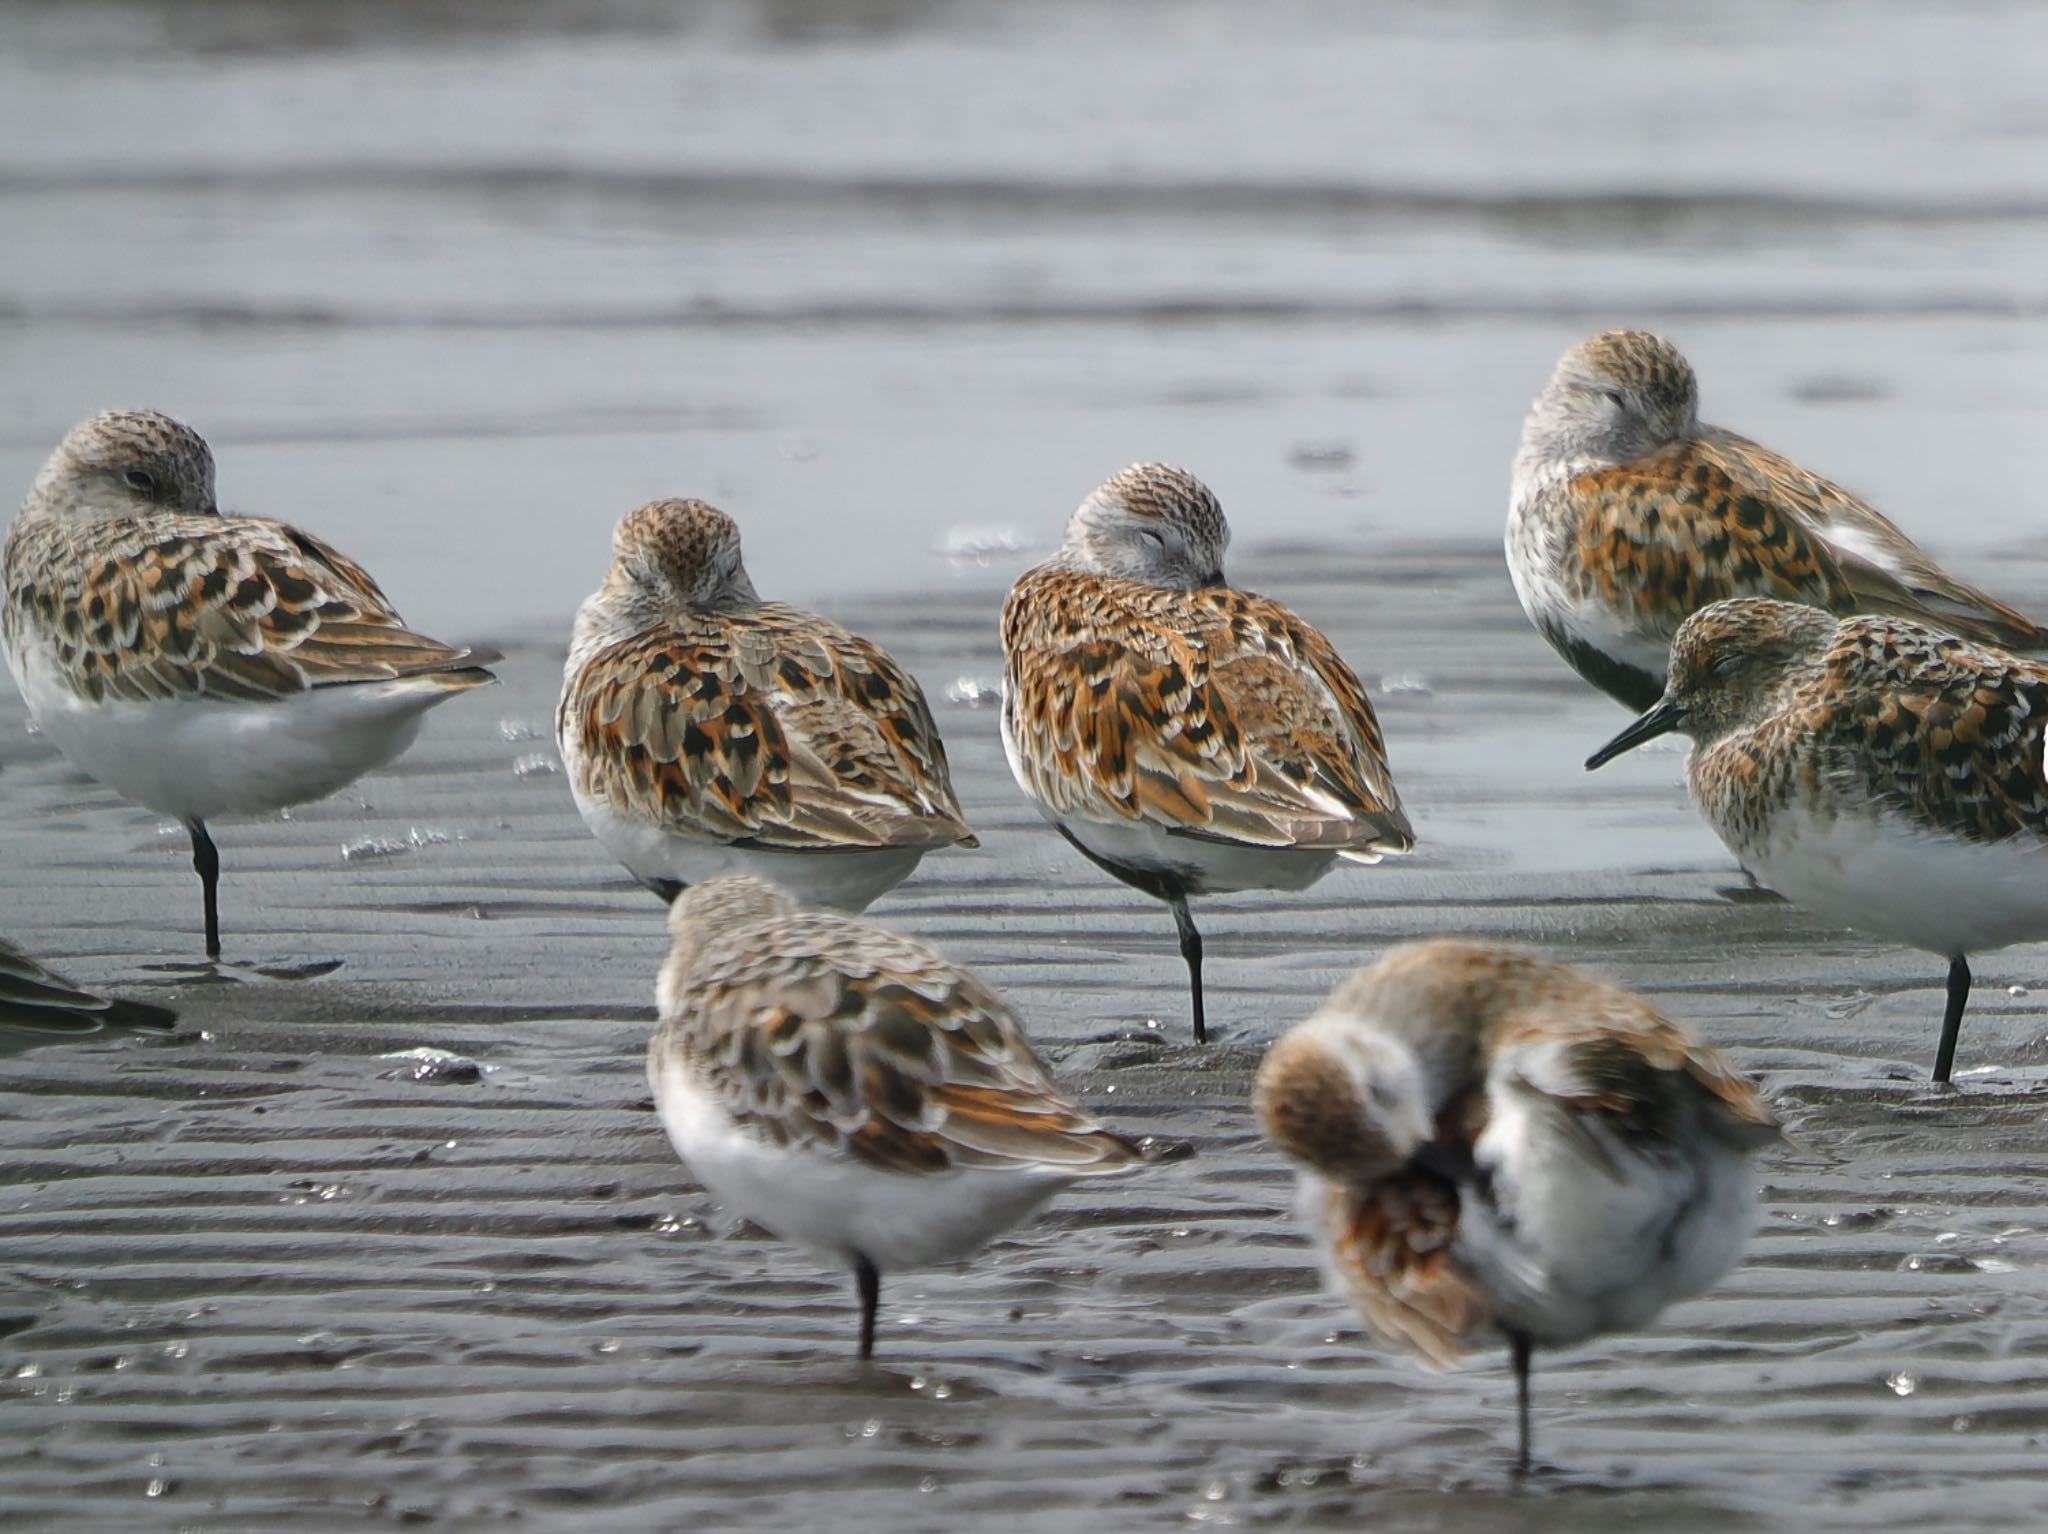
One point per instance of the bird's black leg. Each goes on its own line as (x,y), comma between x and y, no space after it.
(868,1279)
(1519,1349)
(206,860)
(1952,1019)
(1191,950)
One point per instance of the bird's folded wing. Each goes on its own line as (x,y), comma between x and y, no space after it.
(1224,718)
(38,1000)
(724,728)
(1884,569)
(1665,536)
(1944,732)
(1390,1252)
(1623,1063)
(895,1059)
(237,609)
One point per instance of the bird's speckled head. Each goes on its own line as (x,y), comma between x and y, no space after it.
(126,463)
(682,554)
(1150,523)
(1732,665)
(1345,1101)
(1612,399)
(706,912)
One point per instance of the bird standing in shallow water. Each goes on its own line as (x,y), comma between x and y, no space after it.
(202,664)
(1879,773)
(850,1090)
(1628,515)
(1186,737)
(707,732)
(1490,1140)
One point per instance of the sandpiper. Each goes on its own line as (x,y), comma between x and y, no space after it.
(196,663)
(1489,1140)
(1873,770)
(851,1091)
(1186,737)
(1628,514)
(34,1001)
(706,732)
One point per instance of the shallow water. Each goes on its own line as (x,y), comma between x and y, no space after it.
(903,281)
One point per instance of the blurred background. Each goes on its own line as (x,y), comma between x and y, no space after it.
(897,281)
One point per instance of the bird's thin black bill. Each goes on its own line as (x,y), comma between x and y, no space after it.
(1661,720)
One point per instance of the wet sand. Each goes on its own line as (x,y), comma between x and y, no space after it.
(896,282)
(262,1272)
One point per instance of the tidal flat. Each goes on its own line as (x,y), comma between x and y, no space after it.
(895,282)
(283,1266)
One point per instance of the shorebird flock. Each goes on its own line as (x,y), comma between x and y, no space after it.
(1489,1142)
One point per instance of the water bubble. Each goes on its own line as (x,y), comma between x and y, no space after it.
(439,1065)
(1406,684)
(512,731)
(370,848)
(177,1348)
(538,764)
(928,1484)
(2011,990)
(871,1427)
(1901,1383)
(157,1488)
(609,1345)
(29,1372)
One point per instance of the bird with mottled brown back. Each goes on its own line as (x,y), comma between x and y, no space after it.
(853,1091)
(1627,514)
(1878,772)
(1186,737)
(706,732)
(201,664)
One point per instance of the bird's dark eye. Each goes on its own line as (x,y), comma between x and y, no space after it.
(1729,664)
(1153,538)
(1615,398)
(140,480)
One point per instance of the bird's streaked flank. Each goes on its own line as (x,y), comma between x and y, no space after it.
(1186,737)
(850,1090)
(1875,771)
